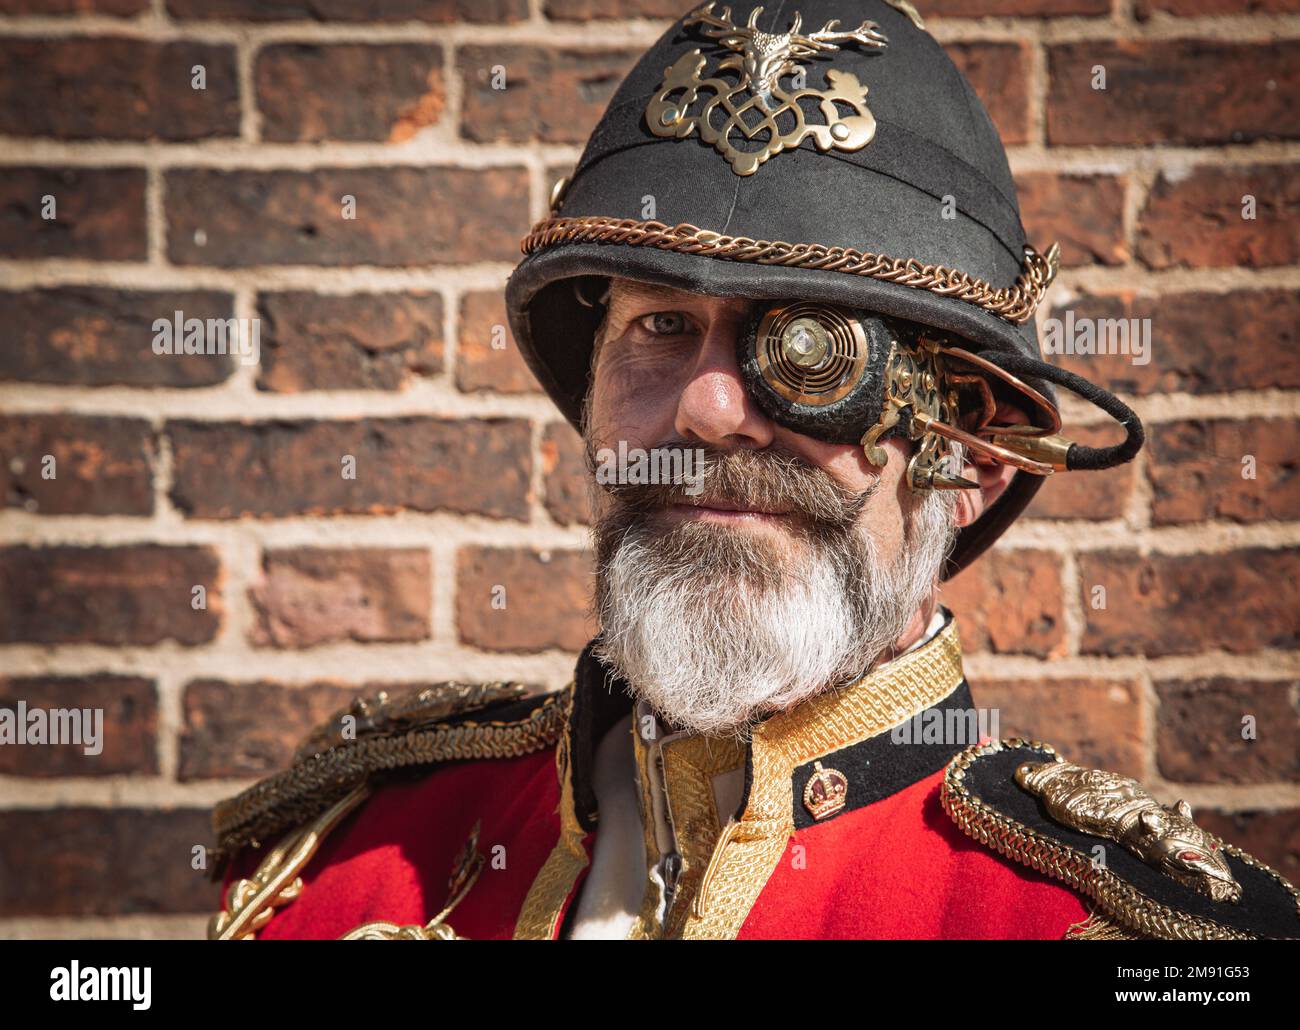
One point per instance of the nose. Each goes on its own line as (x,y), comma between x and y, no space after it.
(714,407)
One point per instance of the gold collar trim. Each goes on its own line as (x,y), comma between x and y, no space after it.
(1015,303)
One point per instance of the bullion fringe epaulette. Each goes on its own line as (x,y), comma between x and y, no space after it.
(386,732)
(1150,871)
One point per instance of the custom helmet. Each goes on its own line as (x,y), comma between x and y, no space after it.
(826,160)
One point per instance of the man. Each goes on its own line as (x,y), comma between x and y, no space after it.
(828,344)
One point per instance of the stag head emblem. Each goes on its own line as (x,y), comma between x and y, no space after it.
(743,111)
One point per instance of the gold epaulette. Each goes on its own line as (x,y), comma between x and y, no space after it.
(1151,871)
(387,732)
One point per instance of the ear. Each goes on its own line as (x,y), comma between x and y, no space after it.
(992,476)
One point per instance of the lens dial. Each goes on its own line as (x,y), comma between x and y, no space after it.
(811,354)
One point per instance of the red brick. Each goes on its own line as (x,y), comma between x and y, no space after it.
(1190,91)
(98,214)
(235,730)
(133,595)
(311,92)
(1199,730)
(108,8)
(1188,334)
(1196,471)
(554,94)
(564,468)
(1009,602)
(1094,722)
(103,862)
(110,87)
(439,11)
(1144,9)
(487,357)
(1238,601)
(101,465)
(404,216)
(1014,8)
(1084,213)
(311,596)
(127,736)
(1271,837)
(85,336)
(471,466)
(364,341)
(588,10)
(1094,496)
(1197,220)
(999,74)
(547,598)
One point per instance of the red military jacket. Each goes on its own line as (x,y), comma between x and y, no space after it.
(471,812)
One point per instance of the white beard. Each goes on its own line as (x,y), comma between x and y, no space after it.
(713,650)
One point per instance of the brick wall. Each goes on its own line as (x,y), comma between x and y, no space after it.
(378,343)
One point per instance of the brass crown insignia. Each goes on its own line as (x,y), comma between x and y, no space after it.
(744,101)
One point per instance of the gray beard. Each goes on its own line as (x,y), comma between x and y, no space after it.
(716,628)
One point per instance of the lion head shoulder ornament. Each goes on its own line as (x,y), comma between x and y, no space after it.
(894,291)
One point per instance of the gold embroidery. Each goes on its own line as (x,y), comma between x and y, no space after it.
(1119,900)
(540,916)
(1097,928)
(251,903)
(827,723)
(1015,303)
(299,793)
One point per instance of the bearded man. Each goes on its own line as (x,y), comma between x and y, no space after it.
(772,735)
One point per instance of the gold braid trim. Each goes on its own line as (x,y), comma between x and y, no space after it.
(1131,910)
(1015,303)
(1098,928)
(296,795)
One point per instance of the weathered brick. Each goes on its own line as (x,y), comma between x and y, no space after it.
(98,214)
(565,470)
(117,88)
(103,861)
(587,10)
(1090,495)
(1094,722)
(554,94)
(364,341)
(403,216)
(235,730)
(512,599)
(442,11)
(1014,8)
(1009,602)
(1084,213)
(311,596)
(1200,342)
(101,466)
(1238,601)
(1272,837)
(127,734)
(1242,92)
(1197,471)
(470,466)
(487,357)
(999,74)
(311,92)
(84,336)
(1144,9)
(139,594)
(1203,736)
(109,8)
(1197,219)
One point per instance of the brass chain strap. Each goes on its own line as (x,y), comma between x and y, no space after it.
(1015,303)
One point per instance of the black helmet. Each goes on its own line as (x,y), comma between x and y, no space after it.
(830,152)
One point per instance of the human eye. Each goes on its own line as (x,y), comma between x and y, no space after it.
(665,323)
